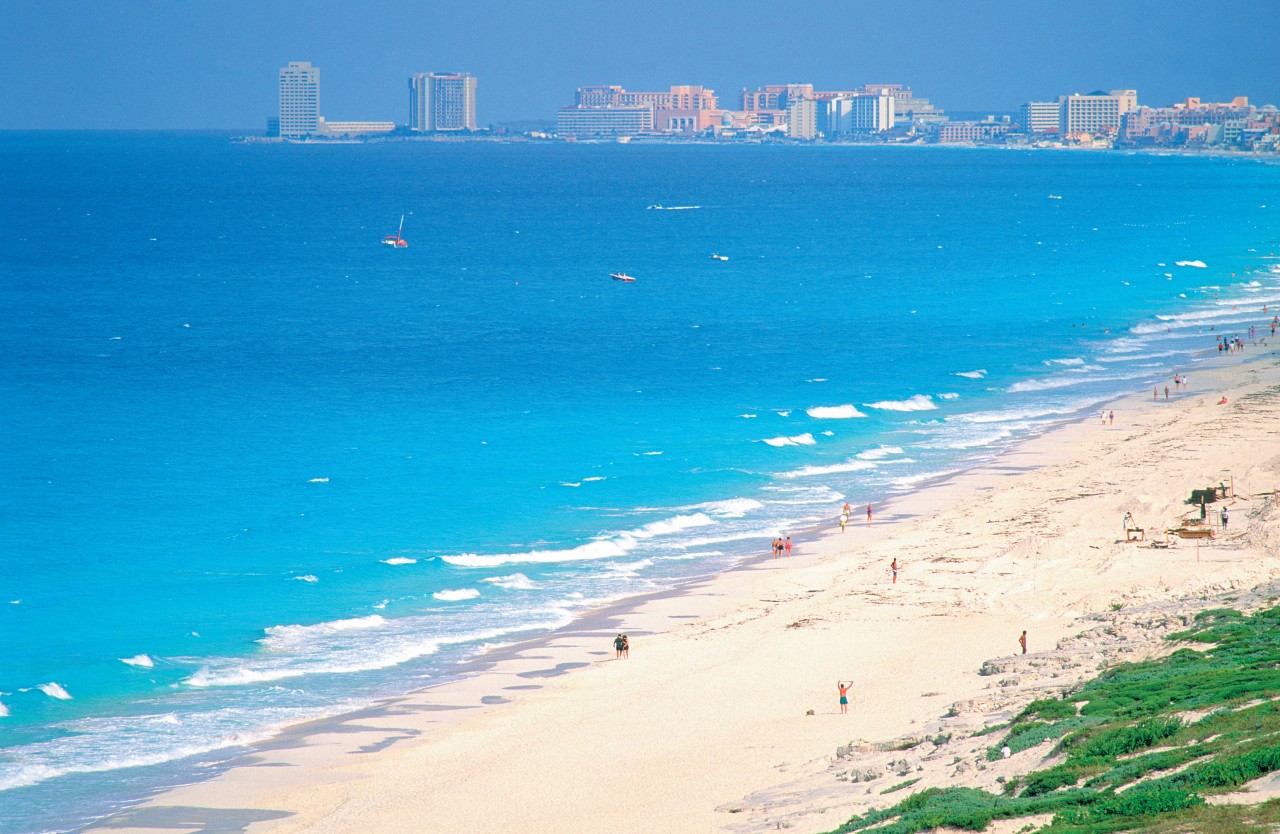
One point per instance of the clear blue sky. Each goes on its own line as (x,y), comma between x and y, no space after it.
(207,64)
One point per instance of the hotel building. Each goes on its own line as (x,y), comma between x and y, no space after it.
(1041,117)
(442,101)
(614,111)
(849,113)
(1096,112)
(299,100)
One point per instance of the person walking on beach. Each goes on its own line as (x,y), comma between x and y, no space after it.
(1224,519)
(626,648)
(788,547)
(893,568)
(868,514)
(844,519)
(843,688)
(1022,641)
(1111,418)
(619,643)
(1166,393)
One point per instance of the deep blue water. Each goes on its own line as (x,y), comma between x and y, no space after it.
(294,470)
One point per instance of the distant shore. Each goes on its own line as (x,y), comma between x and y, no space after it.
(706,726)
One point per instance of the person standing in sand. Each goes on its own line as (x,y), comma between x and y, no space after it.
(868,513)
(1022,641)
(1224,518)
(893,569)
(626,648)
(843,688)
(844,519)
(788,547)
(618,643)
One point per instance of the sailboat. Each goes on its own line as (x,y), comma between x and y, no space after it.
(396,240)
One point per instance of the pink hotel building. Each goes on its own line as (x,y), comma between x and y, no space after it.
(682,109)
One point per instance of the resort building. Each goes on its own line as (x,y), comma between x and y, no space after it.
(442,101)
(1179,124)
(984,131)
(849,113)
(907,108)
(1041,117)
(614,111)
(609,122)
(299,100)
(802,118)
(353,129)
(1095,113)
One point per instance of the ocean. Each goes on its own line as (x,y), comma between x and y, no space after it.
(257,468)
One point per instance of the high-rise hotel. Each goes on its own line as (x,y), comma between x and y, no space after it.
(442,101)
(299,99)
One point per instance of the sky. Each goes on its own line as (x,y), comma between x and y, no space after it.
(212,64)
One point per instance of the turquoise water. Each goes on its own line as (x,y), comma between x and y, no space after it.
(256,467)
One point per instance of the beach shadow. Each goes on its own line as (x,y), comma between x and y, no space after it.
(524,686)
(560,669)
(193,819)
(379,746)
(494,699)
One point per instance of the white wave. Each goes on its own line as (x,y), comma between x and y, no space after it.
(307,577)
(805,439)
(140,661)
(833,412)
(382,606)
(55,690)
(1197,263)
(399,560)
(747,416)
(978,374)
(595,478)
(456,595)
(829,469)
(630,567)
(282,638)
(950,395)
(15,602)
(318,481)
(879,452)
(571,483)
(4,711)
(732,508)
(1133,357)
(604,548)
(919,402)
(1075,360)
(784,413)
(1008,416)
(817,379)
(828,433)
(512,582)
(1054,382)
(651,453)
(673,208)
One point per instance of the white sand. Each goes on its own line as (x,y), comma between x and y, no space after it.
(705,727)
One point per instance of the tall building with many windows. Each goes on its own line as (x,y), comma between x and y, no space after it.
(442,101)
(1041,117)
(1096,112)
(299,99)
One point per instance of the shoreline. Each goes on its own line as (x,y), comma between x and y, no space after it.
(476,697)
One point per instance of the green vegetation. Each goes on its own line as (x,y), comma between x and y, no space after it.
(900,785)
(1139,747)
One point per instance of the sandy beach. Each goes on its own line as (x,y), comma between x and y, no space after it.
(725,717)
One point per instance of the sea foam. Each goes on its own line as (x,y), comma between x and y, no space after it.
(55,690)
(833,412)
(140,661)
(399,560)
(829,469)
(512,582)
(978,374)
(456,595)
(805,439)
(919,402)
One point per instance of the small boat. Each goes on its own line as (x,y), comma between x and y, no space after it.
(621,276)
(715,256)
(396,240)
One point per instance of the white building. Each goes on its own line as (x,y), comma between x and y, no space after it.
(1096,112)
(328,128)
(299,99)
(1041,117)
(621,120)
(442,101)
(856,113)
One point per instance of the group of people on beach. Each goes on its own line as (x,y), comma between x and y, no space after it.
(622,647)
(844,515)
(781,547)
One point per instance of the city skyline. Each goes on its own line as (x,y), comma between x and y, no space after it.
(994,56)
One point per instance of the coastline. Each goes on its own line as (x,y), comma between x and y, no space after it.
(330,774)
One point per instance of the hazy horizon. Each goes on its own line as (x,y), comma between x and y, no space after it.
(147,64)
